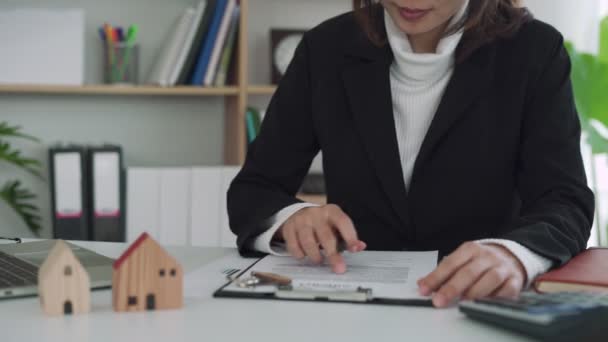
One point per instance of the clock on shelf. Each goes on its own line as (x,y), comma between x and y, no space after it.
(283,47)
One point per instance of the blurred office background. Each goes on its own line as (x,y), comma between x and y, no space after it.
(179,130)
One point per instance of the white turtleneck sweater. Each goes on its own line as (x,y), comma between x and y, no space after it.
(418,81)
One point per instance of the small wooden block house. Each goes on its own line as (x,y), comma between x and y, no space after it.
(63,284)
(146,277)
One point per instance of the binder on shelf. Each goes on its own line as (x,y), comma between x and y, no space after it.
(182,206)
(202,65)
(253,123)
(174,206)
(69,205)
(143,203)
(205,206)
(250,125)
(227,237)
(107,190)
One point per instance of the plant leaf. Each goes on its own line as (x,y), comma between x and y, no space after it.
(17,197)
(598,142)
(604,40)
(13,156)
(14,131)
(590,83)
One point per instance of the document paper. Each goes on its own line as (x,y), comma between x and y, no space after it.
(388,274)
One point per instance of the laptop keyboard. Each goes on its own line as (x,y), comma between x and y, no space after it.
(16,272)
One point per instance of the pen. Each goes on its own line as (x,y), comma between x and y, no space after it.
(120,34)
(102,34)
(131,36)
(272,278)
(109,43)
(109,33)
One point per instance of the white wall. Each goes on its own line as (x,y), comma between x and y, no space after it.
(576,19)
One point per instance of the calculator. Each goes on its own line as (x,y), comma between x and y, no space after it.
(562,316)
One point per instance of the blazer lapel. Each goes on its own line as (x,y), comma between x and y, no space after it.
(367,82)
(469,80)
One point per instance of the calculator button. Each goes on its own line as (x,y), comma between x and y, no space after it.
(588,304)
(604,300)
(518,305)
(559,309)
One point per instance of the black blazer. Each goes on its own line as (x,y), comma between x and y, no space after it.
(500,160)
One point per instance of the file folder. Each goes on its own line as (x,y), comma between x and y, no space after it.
(227,237)
(143,203)
(205,205)
(107,190)
(68,193)
(174,206)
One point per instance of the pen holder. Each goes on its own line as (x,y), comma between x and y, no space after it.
(121,63)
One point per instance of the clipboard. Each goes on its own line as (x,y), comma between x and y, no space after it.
(360,296)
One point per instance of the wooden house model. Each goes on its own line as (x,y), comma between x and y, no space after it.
(146,277)
(63,283)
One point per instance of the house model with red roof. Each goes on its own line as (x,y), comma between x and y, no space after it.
(146,277)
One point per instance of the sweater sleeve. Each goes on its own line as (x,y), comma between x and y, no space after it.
(264,243)
(533,263)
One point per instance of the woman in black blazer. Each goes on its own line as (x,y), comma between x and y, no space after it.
(500,159)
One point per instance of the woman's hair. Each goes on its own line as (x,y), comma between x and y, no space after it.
(486,20)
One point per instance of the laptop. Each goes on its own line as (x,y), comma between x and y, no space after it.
(19,263)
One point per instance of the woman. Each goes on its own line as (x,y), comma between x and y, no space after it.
(445,125)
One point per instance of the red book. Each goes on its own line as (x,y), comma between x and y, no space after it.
(587,271)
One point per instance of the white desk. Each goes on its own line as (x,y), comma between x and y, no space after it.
(206,319)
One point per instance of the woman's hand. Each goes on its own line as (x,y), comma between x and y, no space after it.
(327,226)
(473,271)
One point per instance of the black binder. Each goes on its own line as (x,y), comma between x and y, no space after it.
(67,169)
(361,296)
(107,193)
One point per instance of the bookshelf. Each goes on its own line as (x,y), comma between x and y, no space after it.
(261,90)
(231,102)
(235,96)
(141,90)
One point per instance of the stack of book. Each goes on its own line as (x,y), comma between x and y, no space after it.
(199,51)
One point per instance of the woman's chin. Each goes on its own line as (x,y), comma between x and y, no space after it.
(413,28)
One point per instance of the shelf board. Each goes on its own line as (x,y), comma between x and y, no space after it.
(261,89)
(117,90)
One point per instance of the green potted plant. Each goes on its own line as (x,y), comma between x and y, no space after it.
(590,82)
(12,192)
